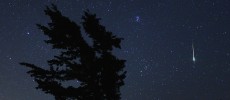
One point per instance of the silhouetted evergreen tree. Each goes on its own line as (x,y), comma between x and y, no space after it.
(99,73)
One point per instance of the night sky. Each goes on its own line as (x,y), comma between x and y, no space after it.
(158,38)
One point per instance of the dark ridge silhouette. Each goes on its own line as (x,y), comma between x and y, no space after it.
(98,73)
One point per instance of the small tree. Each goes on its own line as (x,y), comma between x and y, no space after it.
(97,71)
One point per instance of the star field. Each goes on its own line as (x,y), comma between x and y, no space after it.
(158,37)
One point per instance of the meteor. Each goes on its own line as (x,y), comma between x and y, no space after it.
(193,54)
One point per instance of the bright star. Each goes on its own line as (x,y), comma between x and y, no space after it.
(28,33)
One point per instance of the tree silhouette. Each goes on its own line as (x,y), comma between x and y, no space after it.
(95,71)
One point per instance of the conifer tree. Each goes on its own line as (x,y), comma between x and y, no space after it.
(97,73)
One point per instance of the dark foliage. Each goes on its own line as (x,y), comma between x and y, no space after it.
(99,73)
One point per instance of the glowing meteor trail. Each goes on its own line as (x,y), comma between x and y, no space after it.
(193,54)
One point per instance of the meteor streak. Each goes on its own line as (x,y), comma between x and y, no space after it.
(193,54)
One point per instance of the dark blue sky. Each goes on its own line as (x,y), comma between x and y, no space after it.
(158,46)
